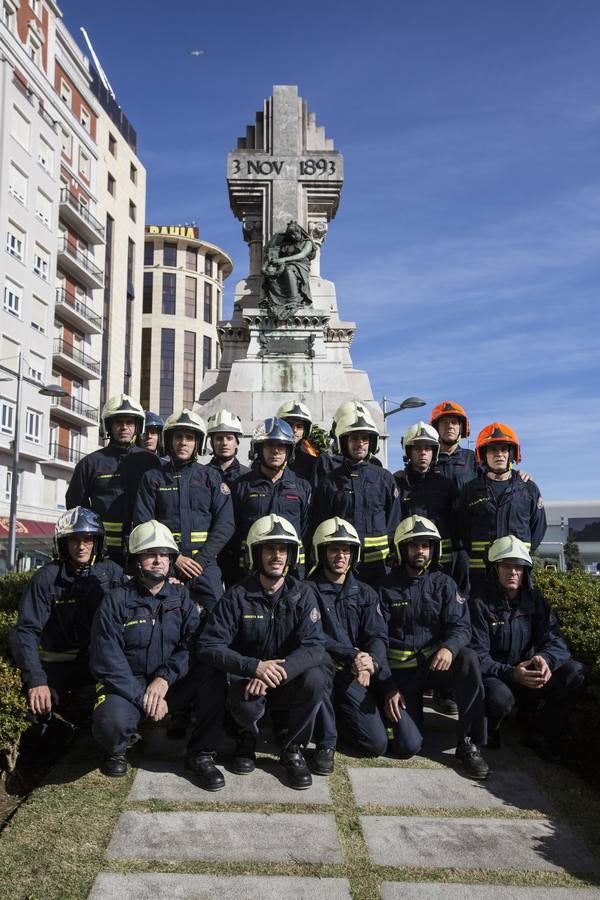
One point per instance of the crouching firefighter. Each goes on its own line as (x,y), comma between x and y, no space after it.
(265,639)
(429,629)
(50,641)
(356,641)
(139,649)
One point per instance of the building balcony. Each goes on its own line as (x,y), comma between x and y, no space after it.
(65,456)
(78,215)
(78,313)
(79,264)
(74,360)
(74,411)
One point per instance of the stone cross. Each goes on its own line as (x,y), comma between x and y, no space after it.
(284,169)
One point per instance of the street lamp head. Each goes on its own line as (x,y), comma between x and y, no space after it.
(412,403)
(53,390)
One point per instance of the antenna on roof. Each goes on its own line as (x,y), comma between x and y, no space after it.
(99,69)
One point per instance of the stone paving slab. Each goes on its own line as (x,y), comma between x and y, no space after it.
(109,886)
(471,843)
(402,890)
(169,781)
(434,788)
(226,836)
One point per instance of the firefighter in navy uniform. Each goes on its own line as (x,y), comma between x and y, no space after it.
(265,639)
(452,424)
(299,418)
(523,655)
(359,492)
(356,641)
(327,460)
(429,629)
(139,648)
(50,641)
(194,502)
(498,502)
(150,439)
(270,487)
(107,480)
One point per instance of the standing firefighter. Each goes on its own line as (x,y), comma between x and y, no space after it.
(139,649)
(452,424)
(223,432)
(107,480)
(299,418)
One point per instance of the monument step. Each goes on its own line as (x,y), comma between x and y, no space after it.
(403,890)
(157,886)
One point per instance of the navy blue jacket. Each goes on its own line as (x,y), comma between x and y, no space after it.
(194,502)
(231,473)
(246,627)
(433,496)
(365,495)
(137,636)
(352,619)
(255,495)
(482,519)
(423,613)
(459,466)
(328,460)
(303,462)
(107,481)
(55,615)
(505,634)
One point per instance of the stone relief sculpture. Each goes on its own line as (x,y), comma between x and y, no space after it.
(286,272)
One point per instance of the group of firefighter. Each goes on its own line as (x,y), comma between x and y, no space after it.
(315,586)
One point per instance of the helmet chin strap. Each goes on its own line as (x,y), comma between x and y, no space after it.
(147,575)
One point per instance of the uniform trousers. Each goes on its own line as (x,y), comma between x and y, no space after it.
(352,712)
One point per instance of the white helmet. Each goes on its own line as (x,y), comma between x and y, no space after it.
(268,530)
(415,528)
(294,411)
(334,531)
(184,420)
(509,547)
(223,422)
(121,405)
(152,535)
(421,433)
(355,418)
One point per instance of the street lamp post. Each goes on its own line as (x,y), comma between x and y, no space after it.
(408,403)
(50,390)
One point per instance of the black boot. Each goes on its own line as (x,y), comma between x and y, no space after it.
(115,765)
(244,757)
(323,760)
(471,758)
(202,764)
(298,774)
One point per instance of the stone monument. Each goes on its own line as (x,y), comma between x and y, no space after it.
(285,339)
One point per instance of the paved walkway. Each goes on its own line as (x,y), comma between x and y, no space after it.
(371,818)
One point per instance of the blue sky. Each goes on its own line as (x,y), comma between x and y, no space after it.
(467,243)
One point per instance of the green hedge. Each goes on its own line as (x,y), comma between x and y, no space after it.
(12,702)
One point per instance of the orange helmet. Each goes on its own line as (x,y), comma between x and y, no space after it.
(497,433)
(448,408)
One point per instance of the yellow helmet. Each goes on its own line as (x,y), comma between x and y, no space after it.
(152,535)
(272,529)
(355,418)
(184,420)
(415,528)
(334,531)
(121,405)
(509,547)
(421,433)
(345,408)
(294,411)
(224,422)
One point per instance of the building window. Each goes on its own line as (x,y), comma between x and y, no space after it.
(170,255)
(208,265)
(43,208)
(46,156)
(13,295)
(191,258)
(8,15)
(8,484)
(33,426)
(190,296)
(110,186)
(189,368)
(146,367)
(208,296)
(169,282)
(206,354)
(147,295)
(37,366)
(85,119)
(7,417)
(84,165)
(112,144)
(49,492)
(39,314)
(133,173)
(65,93)
(148,253)
(17,184)
(167,370)
(132,211)
(67,144)
(9,353)
(20,128)
(34,49)
(36,7)
(41,262)
(15,241)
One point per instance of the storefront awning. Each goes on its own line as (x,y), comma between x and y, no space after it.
(27,528)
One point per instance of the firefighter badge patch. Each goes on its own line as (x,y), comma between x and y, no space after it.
(459,598)
(225,488)
(315,615)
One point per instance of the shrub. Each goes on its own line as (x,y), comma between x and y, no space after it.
(12,702)
(11,588)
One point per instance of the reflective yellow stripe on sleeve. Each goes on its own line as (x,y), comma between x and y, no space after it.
(375,548)
(58,656)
